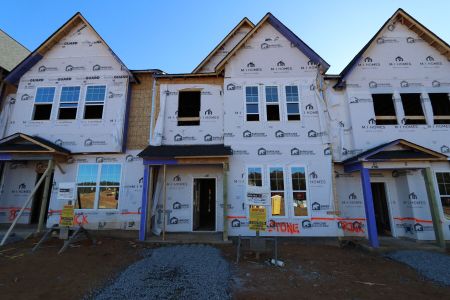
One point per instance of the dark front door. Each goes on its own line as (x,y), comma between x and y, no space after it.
(38,200)
(204,204)
(381,208)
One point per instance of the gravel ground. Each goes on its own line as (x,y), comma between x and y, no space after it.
(177,272)
(432,265)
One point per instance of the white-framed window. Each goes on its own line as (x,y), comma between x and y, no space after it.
(443,180)
(299,192)
(94,101)
(254,176)
(98,186)
(292,103)
(278,203)
(43,103)
(272,103)
(252,103)
(68,102)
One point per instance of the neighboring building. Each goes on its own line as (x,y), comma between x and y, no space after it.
(11,53)
(72,110)
(391,114)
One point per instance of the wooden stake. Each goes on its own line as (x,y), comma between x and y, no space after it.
(45,196)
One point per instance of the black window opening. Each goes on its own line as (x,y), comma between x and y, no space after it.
(383,105)
(412,107)
(440,103)
(42,111)
(92,112)
(189,108)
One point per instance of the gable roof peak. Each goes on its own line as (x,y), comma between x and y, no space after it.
(35,56)
(287,33)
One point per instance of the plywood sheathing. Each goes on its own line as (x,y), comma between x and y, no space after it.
(140,111)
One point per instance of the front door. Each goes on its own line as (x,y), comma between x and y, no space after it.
(38,200)
(204,204)
(381,208)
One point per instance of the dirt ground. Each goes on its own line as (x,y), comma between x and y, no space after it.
(46,275)
(312,270)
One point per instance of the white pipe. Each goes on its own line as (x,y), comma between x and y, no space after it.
(152,112)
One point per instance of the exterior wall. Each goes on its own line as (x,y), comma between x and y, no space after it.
(179,193)
(269,59)
(20,177)
(126,216)
(398,61)
(210,130)
(78,59)
(225,49)
(140,111)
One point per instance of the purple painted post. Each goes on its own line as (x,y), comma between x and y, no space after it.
(143,225)
(368,205)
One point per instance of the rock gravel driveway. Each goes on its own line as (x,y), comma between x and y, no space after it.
(175,272)
(432,265)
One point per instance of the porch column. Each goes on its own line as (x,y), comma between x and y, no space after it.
(368,205)
(144,205)
(433,202)
(45,195)
(225,201)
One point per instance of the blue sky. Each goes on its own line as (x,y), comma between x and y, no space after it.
(176,35)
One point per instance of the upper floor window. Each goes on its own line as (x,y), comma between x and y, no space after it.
(95,100)
(254,176)
(440,103)
(43,103)
(272,103)
(383,105)
(189,108)
(68,102)
(412,106)
(443,180)
(252,103)
(292,103)
(277,191)
(98,186)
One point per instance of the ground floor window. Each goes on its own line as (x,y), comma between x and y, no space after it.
(277,191)
(299,199)
(98,186)
(443,180)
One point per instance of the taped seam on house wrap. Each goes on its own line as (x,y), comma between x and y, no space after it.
(6,114)
(158,134)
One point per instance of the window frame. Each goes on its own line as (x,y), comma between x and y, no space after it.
(52,103)
(85,103)
(291,196)
(439,117)
(286,211)
(258,103)
(97,187)
(77,102)
(189,119)
(298,103)
(446,217)
(414,118)
(278,103)
(247,173)
(385,117)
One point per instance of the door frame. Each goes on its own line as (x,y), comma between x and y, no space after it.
(389,203)
(215,203)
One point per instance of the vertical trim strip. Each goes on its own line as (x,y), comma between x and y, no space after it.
(143,224)
(368,205)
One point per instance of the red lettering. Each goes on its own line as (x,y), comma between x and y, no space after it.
(283,227)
